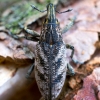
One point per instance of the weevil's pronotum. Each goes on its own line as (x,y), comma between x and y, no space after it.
(50,64)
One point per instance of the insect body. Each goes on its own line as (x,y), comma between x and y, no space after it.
(50,64)
(50,58)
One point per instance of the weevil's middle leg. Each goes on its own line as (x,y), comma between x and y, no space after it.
(72,48)
(30,71)
(70,70)
(67,27)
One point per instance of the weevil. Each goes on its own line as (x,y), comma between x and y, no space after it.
(50,64)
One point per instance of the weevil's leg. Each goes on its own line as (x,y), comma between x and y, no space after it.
(67,27)
(72,48)
(19,37)
(30,71)
(70,70)
(13,36)
(31,32)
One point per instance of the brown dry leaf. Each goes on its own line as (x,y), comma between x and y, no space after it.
(98,44)
(4,51)
(90,65)
(82,72)
(85,11)
(84,33)
(96,60)
(83,42)
(13,50)
(75,81)
(6,73)
(72,83)
(19,87)
(90,87)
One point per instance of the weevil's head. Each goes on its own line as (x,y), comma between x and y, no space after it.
(50,18)
(51,31)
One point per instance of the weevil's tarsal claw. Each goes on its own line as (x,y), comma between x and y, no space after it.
(70,70)
(29,72)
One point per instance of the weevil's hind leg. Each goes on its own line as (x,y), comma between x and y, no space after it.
(30,71)
(28,31)
(72,48)
(67,27)
(70,70)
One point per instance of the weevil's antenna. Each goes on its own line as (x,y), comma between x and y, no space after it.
(38,9)
(64,11)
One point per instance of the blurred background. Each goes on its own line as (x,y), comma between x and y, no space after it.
(16,56)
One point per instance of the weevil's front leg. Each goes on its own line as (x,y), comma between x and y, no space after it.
(33,38)
(31,32)
(67,27)
(14,36)
(30,71)
(70,70)
(72,48)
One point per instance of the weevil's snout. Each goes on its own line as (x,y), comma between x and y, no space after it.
(51,13)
